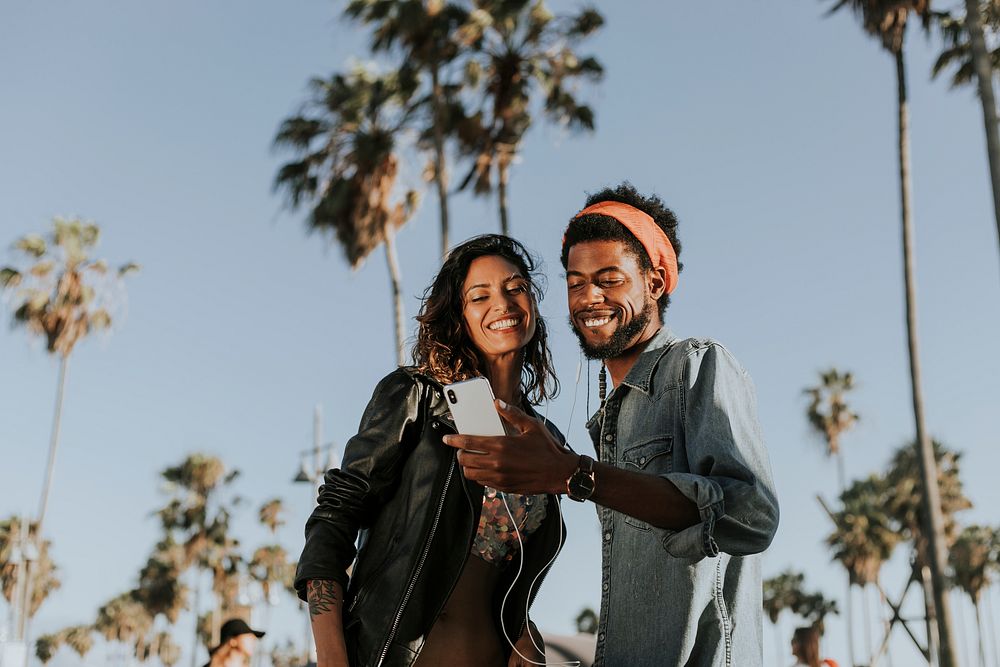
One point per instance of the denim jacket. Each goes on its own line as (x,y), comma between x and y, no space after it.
(687,412)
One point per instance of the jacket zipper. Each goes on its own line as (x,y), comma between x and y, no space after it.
(420,566)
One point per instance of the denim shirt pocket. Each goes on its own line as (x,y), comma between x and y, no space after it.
(653,456)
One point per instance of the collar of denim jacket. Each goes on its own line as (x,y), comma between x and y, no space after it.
(640,376)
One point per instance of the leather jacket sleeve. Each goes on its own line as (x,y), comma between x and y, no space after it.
(351,495)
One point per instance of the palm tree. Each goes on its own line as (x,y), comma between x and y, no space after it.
(829,414)
(61,295)
(965,46)
(124,619)
(198,517)
(346,167)
(863,539)
(62,298)
(587,621)
(270,515)
(886,20)
(521,49)
(781,592)
(422,33)
(906,503)
(79,638)
(972,556)
(14,560)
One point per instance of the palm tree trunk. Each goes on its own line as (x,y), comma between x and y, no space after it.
(992,627)
(397,293)
(866,611)
(46,489)
(779,647)
(842,481)
(979,633)
(53,443)
(850,622)
(504,174)
(439,165)
(197,610)
(984,77)
(964,628)
(928,466)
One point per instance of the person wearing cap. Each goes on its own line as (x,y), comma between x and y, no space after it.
(237,642)
(681,480)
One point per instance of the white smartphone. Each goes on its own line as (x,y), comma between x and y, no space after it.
(472,408)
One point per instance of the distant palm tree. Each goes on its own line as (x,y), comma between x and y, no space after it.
(423,34)
(521,51)
(44,580)
(62,298)
(79,638)
(781,593)
(972,556)
(829,414)
(906,502)
(270,515)
(965,46)
(587,621)
(863,539)
(124,619)
(198,515)
(161,589)
(346,167)
(886,20)
(62,295)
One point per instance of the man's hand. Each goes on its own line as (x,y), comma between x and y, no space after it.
(529,462)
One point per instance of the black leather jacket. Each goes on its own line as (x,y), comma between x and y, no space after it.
(402,490)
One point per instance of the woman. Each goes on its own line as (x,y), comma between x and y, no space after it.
(805,648)
(237,642)
(438,554)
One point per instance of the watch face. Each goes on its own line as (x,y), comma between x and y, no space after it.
(582,485)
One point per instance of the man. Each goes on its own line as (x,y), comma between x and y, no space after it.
(682,484)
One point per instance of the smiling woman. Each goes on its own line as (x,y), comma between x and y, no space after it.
(435,580)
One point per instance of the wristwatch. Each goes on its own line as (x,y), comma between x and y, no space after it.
(581,484)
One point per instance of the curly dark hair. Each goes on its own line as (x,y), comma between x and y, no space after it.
(444,349)
(597,227)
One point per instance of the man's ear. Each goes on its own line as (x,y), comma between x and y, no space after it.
(656,280)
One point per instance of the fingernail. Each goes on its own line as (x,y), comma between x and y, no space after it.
(502,403)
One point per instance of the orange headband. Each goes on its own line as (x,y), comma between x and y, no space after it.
(646,231)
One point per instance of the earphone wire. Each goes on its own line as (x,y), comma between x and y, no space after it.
(559,546)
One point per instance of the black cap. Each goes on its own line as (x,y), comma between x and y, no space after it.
(235,627)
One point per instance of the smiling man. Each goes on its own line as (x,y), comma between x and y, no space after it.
(682,481)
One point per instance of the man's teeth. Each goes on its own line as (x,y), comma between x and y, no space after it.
(596,321)
(504,324)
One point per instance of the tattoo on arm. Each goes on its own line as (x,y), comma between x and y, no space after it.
(322,596)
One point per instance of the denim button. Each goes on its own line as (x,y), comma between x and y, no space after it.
(600,637)
(609,438)
(642,460)
(605,586)
(607,536)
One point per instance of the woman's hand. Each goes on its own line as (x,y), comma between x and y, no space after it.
(526,647)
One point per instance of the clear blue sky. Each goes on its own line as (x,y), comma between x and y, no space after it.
(767,128)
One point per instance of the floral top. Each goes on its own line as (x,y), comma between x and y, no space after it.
(496,540)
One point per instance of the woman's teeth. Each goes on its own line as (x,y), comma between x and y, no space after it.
(504,324)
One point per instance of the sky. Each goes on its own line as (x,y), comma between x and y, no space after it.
(767,127)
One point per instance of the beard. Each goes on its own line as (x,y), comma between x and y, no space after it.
(621,339)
